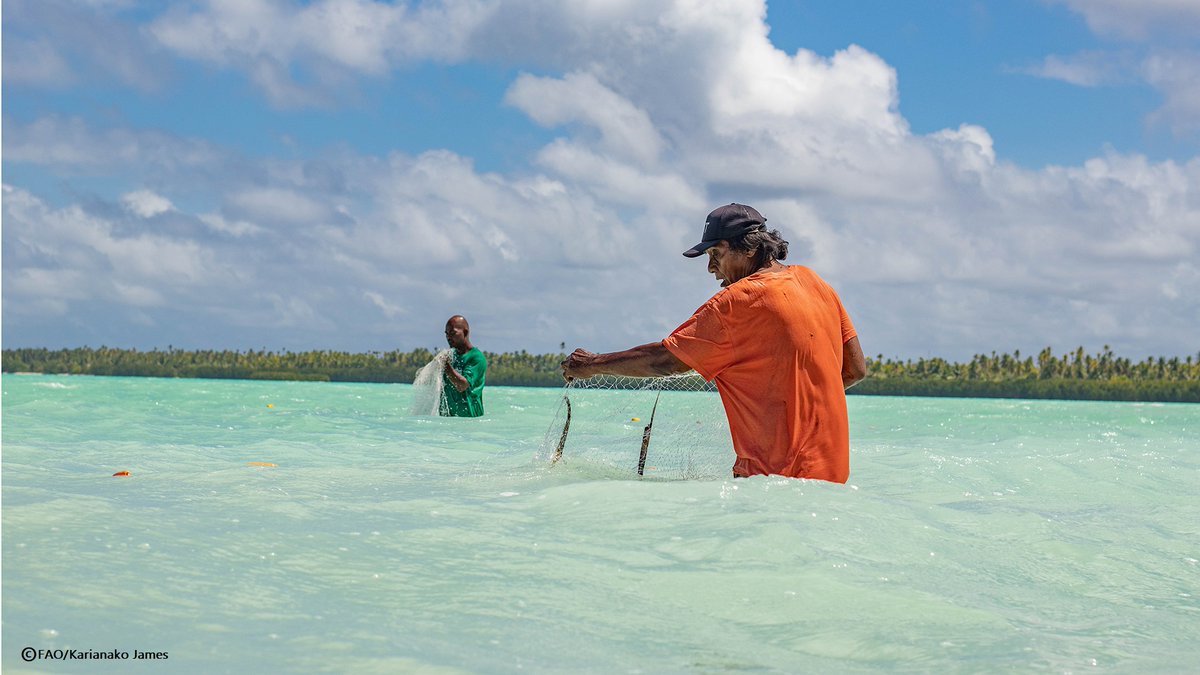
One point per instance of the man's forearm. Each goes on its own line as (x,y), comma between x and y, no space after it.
(854,363)
(456,378)
(648,360)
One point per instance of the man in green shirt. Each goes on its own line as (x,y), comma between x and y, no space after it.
(465,371)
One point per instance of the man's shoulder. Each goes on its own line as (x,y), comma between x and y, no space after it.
(814,286)
(805,276)
(802,272)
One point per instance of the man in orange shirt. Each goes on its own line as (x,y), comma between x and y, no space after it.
(778,344)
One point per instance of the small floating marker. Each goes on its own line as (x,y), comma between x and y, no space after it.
(260,464)
(120,473)
(636,419)
(270,405)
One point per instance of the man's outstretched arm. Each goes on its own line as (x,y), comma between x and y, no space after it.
(648,360)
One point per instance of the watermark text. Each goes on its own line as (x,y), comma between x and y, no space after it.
(30,654)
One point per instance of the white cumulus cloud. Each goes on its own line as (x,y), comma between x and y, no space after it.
(146,203)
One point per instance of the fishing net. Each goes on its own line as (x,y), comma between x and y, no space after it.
(427,386)
(609,415)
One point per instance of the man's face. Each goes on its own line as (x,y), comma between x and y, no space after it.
(456,334)
(728,265)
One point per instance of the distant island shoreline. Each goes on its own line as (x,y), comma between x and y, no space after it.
(1075,375)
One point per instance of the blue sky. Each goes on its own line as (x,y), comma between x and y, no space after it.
(344,174)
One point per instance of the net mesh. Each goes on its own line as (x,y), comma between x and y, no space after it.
(689,438)
(427,386)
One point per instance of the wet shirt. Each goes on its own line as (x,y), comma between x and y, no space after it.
(473,366)
(772,342)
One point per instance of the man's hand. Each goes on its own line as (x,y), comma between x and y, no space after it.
(577,366)
(456,379)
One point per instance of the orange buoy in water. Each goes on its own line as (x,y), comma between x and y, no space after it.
(260,464)
(121,473)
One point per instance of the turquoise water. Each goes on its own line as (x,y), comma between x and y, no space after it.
(974,536)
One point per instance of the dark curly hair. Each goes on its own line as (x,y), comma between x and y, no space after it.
(770,245)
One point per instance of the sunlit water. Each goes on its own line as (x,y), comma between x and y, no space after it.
(974,536)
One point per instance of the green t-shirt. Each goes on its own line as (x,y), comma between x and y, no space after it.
(473,366)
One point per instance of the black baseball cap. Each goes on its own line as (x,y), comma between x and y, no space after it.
(726,222)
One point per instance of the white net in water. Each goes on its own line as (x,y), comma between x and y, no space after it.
(427,386)
(689,438)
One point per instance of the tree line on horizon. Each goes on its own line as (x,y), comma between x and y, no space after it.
(1073,375)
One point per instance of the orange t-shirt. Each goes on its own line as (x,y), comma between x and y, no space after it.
(773,343)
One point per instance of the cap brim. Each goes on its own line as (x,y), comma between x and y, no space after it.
(700,248)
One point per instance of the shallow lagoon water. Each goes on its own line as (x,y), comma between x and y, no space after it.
(974,536)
